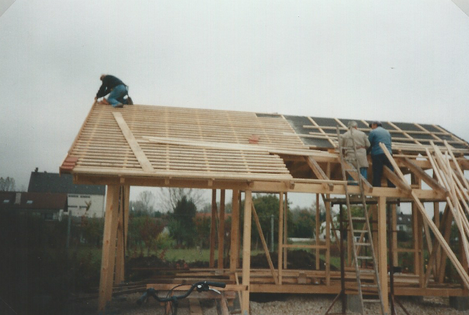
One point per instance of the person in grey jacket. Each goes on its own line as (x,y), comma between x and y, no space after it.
(379,134)
(359,138)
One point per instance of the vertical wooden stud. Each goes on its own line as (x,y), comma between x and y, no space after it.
(109,247)
(318,226)
(234,247)
(280,237)
(213,223)
(382,250)
(221,230)
(395,256)
(328,240)
(246,251)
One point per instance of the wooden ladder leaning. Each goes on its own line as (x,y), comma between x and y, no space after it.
(360,228)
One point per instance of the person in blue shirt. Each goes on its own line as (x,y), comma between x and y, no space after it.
(116,89)
(379,160)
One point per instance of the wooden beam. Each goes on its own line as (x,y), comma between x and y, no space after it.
(234,247)
(122,232)
(109,247)
(280,238)
(213,224)
(420,173)
(396,180)
(221,230)
(317,232)
(317,170)
(301,185)
(246,251)
(382,250)
(391,160)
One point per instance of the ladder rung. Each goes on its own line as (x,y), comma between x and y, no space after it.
(359,218)
(364,257)
(369,285)
(369,271)
(371,301)
(360,231)
(362,244)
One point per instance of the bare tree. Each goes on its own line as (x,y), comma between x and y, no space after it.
(169,197)
(7,184)
(144,203)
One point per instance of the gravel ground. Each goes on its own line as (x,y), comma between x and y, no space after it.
(290,304)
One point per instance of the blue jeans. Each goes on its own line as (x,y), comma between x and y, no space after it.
(363,172)
(116,97)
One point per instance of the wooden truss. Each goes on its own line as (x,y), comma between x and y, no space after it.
(249,153)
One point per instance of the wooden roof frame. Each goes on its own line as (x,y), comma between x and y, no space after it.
(248,152)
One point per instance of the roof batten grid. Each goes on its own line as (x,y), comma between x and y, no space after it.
(405,133)
(201,136)
(334,145)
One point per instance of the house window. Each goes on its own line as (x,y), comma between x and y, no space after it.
(29,202)
(6,201)
(73,196)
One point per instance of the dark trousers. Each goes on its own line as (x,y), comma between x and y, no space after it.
(380,160)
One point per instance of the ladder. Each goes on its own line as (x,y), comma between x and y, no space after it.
(360,227)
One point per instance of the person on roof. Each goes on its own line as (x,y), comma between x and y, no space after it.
(358,138)
(378,158)
(116,89)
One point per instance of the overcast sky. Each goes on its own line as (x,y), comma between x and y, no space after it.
(391,60)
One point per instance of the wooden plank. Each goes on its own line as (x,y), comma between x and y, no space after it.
(139,154)
(109,247)
(246,251)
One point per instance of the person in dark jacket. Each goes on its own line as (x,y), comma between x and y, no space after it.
(116,89)
(379,134)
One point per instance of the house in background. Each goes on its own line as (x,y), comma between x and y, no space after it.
(48,206)
(404,222)
(83,200)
